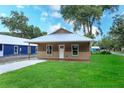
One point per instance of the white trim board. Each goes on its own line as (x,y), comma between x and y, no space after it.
(1,52)
(77,49)
(16,53)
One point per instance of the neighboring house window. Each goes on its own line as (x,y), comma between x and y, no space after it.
(75,49)
(15,49)
(0,47)
(49,49)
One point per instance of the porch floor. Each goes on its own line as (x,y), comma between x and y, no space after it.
(18,58)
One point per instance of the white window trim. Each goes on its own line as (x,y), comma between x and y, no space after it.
(51,49)
(14,50)
(72,49)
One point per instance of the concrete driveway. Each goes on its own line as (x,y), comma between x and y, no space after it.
(116,53)
(18,65)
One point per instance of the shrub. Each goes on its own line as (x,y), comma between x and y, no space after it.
(105,52)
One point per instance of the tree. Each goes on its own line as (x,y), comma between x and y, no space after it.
(18,25)
(117,31)
(106,43)
(34,32)
(85,16)
(16,22)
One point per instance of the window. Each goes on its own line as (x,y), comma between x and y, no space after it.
(15,49)
(75,49)
(49,49)
(0,47)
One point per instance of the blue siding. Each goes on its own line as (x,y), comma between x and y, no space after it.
(22,50)
(8,50)
(33,49)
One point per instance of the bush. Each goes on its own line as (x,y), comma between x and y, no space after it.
(105,52)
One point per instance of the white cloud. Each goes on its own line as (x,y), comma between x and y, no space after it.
(20,6)
(56,14)
(55,7)
(44,15)
(2,14)
(95,30)
(55,11)
(54,28)
(37,7)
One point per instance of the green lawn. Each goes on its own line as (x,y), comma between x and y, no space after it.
(102,71)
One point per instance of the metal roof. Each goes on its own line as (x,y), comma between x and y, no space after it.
(65,37)
(5,39)
(59,30)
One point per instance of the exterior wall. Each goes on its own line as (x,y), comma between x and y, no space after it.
(84,51)
(22,50)
(60,31)
(33,49)
(8,50)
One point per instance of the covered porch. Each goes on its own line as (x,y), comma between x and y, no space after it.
(64,50)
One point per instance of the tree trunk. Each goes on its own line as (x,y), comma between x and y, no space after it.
(84,29)
(90,33)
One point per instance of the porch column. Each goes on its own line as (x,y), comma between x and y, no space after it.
(29,51)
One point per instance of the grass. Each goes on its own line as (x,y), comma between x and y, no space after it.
(103,71)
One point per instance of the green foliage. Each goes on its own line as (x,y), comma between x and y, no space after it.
(17,23)
(85,16)
(104,71)
(117,31)
(33,32)
(90,36)
(105,52)
(106,42)
(6,33)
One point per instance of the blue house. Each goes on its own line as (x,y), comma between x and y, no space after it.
(10,46)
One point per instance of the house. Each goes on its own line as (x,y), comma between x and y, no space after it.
(10,46)
(95,49)
(63,44)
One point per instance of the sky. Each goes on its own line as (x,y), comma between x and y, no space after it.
(48,17)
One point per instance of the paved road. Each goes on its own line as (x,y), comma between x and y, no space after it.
(116,53)
(18,65)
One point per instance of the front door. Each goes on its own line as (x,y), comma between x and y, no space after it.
(61,51)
